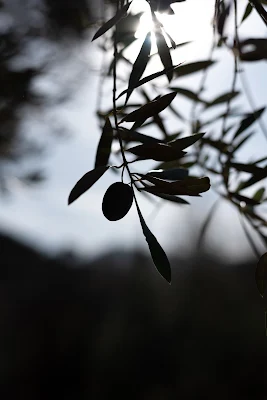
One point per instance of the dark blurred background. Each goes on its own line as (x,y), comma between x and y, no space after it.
(79,327)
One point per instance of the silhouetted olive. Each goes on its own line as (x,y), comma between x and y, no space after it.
(117,201)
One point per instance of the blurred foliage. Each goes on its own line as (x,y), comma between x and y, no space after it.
(50,21)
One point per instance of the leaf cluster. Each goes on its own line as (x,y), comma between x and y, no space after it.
(215,153)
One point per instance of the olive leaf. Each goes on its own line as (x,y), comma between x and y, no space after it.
(187,93)
(247,12)
(248,121)
(164,54)
(256,177)
(183,143)
(148,79)
(86,182)
(158,255)
(250,168)
(139,65)
(104,145)
(171,198)
(222,99)
(150,109)
(113,21)
(191,68)
(129,135)
(245,199)
(190,186)
(261,274)
(156,151)
(259,194)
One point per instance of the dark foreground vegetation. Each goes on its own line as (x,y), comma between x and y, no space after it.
(113,328)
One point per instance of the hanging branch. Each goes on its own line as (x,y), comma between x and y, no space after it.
(170,179)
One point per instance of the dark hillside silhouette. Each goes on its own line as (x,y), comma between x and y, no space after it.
(101,329)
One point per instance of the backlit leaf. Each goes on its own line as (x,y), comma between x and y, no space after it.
(250,168)
(139,65)
(185,142)
(187,93)
(158,255)
(190,186)
(259,194)
(247,12)
(113,21)
(222,99)
(191,68)
(245,199)
(86,182)
(156,151)
(150,109)
(148,79)
(165,55)
(217,144)
(169,197)
(248,121)
(129,135)
(104,145)
(261,174)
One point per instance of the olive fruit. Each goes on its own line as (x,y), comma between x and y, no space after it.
(117,201)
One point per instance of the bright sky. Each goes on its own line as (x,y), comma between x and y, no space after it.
(41,215)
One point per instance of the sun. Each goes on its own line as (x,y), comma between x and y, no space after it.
(191,22)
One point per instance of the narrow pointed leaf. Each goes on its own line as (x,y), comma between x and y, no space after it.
(260,10)
(156,151)
(171,198)
(160,124)
(247,12)
(222,99)
(129,135)
(245,199)
(189,186)
(86,182)
(248,121)
(149,109)
(148,79)
(139,65)
(164,54)
(185,142)
(158,255)
(250,168)
(191,68)
(259,195)
(113,21)
(187,93)
(217,144)
(261,274)
(241,142)
(104,145)
(261,174)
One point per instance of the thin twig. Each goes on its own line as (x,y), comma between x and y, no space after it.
(115,54)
